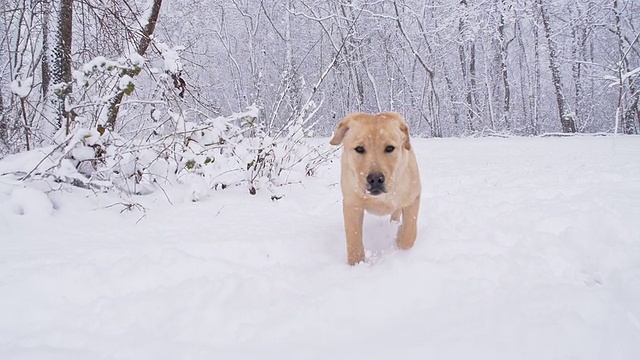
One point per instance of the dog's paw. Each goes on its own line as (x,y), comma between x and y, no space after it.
(355,260)
(405,244)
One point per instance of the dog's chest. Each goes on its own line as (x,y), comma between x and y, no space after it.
(381,204)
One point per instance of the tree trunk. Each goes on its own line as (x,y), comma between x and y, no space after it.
(452,97)
(506,104)
(351,54)
(45,65)
(292,78)
(579,34)
(4,126)
(141,49)
(576,69)
(61,63)
(466,51)
(473,90)
(525,78)
(620,67)
(535,99)
(566,119)
(4,117)
(630,114)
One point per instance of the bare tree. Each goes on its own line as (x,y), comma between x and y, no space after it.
(567,120)
(467,55)
(626,115)
(537,92)
(4,126)
(60,66)
(504,73)
(45,10)
(428,101)
(4,118)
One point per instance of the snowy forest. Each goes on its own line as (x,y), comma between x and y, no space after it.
(451,67)
(110,73)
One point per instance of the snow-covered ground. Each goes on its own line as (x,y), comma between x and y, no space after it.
(528,248)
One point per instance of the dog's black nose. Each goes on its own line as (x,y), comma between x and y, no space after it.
(376,183)
(375,179)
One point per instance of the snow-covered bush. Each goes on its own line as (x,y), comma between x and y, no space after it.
(216,153)
(170,141)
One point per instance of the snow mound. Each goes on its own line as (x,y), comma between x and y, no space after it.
(29,202)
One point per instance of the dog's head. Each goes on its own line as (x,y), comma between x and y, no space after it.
(375,148)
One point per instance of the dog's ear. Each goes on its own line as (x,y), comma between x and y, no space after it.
(405,129)
(338,135)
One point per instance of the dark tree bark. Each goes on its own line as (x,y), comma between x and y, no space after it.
(45,65)
(566,119)
(506,104)
(61,63)
(472,79)
(4,125)
(632,115)
(143,45)
(629,115)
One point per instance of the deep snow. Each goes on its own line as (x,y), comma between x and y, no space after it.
(528,248)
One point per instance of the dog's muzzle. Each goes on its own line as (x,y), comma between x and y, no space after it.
(375,184)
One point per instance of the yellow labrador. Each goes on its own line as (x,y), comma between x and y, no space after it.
(379,175)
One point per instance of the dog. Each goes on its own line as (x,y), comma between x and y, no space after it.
(379,174)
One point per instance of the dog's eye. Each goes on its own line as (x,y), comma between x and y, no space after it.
(360,149)
(389,149)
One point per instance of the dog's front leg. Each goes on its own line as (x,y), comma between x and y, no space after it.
(409,228)
(353,217)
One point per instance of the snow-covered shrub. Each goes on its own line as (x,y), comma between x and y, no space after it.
(217,153)
(170,141)
(236,151)
(94,86)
